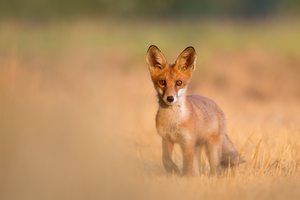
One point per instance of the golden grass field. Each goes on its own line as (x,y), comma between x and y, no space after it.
(77,108)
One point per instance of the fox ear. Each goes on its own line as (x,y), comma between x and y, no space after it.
(155,59)
(186,61)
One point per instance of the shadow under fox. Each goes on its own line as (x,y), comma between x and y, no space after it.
(194,122)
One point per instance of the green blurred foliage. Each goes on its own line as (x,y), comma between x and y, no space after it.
(144,8)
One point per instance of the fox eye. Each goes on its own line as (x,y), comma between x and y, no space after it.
(179,83)
(162,82)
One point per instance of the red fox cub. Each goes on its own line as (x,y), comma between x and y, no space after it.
(191,121)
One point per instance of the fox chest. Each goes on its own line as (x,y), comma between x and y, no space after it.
(169,125)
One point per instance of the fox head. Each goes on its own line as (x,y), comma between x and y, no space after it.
(170,80)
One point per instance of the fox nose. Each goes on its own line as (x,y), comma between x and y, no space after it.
(170,99)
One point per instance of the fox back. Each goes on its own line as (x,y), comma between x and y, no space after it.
(191,121)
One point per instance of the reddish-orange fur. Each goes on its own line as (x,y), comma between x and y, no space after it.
(191,121)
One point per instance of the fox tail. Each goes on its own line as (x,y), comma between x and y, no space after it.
(230,156)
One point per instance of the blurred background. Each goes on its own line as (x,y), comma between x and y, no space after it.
(139,8)
(77,105)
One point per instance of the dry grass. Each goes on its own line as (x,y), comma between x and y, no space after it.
(77,116)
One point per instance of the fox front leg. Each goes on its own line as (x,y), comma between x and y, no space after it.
(188,153)
(167,149)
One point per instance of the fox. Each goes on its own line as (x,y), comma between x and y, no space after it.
(194,122)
